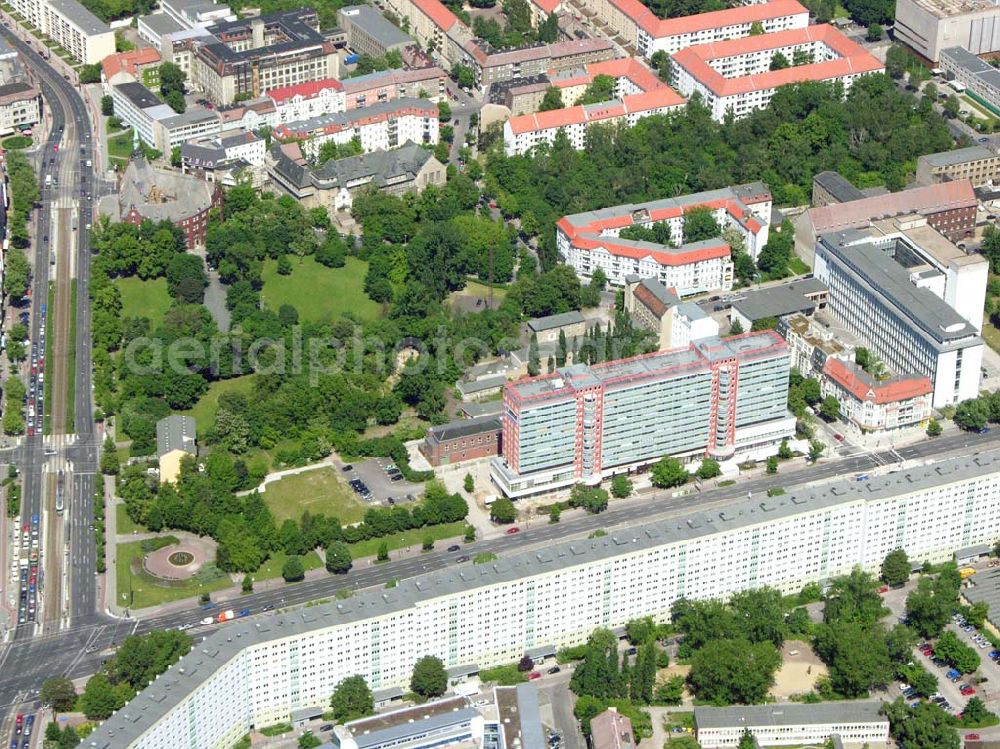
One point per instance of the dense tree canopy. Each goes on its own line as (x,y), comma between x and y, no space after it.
(734,670)
(352,699)
(872,137)
(429,678)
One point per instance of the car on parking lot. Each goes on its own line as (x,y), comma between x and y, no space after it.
(512,531)
(326,727)
(554,670)
(396,477)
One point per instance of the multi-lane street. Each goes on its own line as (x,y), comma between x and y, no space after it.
(73,634)
(67,593)
(79,650)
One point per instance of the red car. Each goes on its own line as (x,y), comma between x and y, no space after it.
(534,675)
(972,737)
(968,692)
(839,437)
(27,528)
(512,531)
(884,589)
(56,148)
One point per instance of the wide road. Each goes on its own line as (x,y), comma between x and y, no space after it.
(79,650)
(71,195)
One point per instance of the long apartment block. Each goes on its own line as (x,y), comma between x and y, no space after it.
(735,78)
(86,37)
(255,671)
(637,25)
(582,424)
(591,240)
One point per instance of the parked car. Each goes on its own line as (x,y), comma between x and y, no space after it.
(554,670)
(512,531)
(534,675)
(972,737)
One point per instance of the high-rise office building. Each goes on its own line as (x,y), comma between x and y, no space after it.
(581,424)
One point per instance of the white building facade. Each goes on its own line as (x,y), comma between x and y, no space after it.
(735,77)
(856,723)
(254,672)
(88,39)
(380,127)
(592,240)
(308,100)
(674,34)
(909,327)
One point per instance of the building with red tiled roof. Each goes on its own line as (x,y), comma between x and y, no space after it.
(381,126)
(141,64)
(873,405)
(637,25)
(309,99)
(735,76)
(592,240)
(432,24)
(524,132)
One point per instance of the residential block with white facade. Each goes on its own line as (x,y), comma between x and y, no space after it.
(591,240)
(74,28)
(735,76)
(378,127)
(254,672)
(648,33)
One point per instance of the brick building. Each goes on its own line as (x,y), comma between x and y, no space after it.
(949,207)
(159,194)
(462,440)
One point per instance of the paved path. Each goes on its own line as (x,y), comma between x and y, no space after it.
(215,295)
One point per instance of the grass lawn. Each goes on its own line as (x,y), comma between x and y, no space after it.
(369,548)
(474,288)
(120,148)
(319,491)
(204,410)
(71,365)
(977,109)
(798,266)
(144,298)
(125,524)
(144,590)
(991,335)
(16,141)
(272,567)
(47,387)
(318,292)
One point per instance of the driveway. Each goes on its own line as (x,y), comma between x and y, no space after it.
(372,472)
(555,690)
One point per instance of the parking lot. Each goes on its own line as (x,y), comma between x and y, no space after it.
(376,475)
